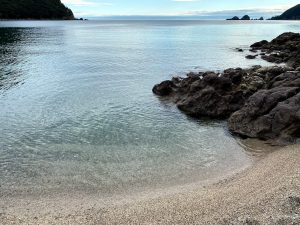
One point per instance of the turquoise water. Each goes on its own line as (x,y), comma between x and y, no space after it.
(77,111)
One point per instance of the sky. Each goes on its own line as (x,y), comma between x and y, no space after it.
(191,8)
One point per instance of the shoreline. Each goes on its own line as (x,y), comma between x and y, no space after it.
(265,193)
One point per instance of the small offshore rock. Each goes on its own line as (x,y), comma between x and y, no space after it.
(251,56)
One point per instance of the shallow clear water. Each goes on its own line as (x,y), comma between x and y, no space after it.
(77,111)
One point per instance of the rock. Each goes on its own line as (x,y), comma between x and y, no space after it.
(259,44)
(285,38)
(163,89)
(253,50)
(256,83)
(214,95)
(269,114)
(251,56)
(193,75)
(273,70)
(287,79)
(283,49)
(234,18)
(260,102)
(236,75)
(246,17)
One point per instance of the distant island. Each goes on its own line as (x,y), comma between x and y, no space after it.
(246,17)
(35,9)
(291,14)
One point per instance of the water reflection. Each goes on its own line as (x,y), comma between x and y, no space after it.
(10,51)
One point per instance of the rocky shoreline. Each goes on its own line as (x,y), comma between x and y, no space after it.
(259,102)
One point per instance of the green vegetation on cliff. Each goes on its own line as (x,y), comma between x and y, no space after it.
(34,9)
(291,14)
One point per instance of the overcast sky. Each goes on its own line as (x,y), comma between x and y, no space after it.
(90,8)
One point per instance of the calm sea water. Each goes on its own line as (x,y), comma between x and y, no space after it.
(77,111)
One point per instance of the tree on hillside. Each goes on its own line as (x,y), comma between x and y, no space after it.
(34,9)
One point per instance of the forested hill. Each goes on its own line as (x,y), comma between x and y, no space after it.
(291,14)
(34,9)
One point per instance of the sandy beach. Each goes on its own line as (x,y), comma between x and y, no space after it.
(266,193)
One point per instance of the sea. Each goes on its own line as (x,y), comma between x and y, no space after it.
(77,112)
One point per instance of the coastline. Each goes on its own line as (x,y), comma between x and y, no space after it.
(266,193)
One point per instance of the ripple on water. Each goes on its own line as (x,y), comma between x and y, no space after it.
(77,112)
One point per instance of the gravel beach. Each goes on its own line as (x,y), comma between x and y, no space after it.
(266,193)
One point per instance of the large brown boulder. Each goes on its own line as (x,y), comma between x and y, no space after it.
(269,114)
(272,113)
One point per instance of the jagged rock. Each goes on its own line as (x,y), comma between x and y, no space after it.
(211,94)
(165,88)
(260,102)
(283,49)
(269,114)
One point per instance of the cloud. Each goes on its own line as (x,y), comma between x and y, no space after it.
(85,3)
(273,10)
(92,10)
(78,2)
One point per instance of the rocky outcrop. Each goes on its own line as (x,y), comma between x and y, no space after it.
(270,114)
(216,95)
(260,102)
(283,49)
(246,17)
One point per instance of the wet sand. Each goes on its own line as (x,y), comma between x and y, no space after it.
(266,193)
